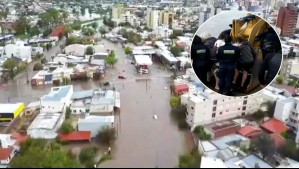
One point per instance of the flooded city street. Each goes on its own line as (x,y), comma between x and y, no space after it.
(142,140)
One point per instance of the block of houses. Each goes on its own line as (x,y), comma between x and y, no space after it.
(53,107)
(75,49)
(19,50)
(57,33)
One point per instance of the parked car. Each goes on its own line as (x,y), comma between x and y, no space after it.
(121,77)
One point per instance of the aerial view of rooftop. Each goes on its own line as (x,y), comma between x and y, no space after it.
(113,84)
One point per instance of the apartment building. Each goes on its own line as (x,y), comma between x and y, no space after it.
(128,17)
(166,18)
(206,106)
(152,18)
(117,11)
(287,111)
(287,19)
(289,67)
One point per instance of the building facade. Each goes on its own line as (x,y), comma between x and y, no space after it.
(166,18)
(152,18)
(287,19)
(207,106)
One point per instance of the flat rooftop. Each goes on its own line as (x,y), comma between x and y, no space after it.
(103,97)
(57,93)
(45,121)
(97,119)
(221,125)
(227,141)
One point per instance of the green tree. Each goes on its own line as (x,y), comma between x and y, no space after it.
(87,155)
(34,31)
(76,26)
(89,50)
(128,51)
(289,149)
(22,26)
(47,32)
(292,83)
(201,134)
(280,79)
(71,40)
(103,31)
(66,81)
(265,145)
(68,29)
(132,37)
(44,156)
(176,50)
(88,31)
(66,127)
(107,136)
(190,160)
(44,61)
(68,112)
(94,25)
(175,102)
(11,65)
(111,59)
(270,106)
(38,66)
(82,9)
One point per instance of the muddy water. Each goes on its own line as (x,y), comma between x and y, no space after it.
(142,140)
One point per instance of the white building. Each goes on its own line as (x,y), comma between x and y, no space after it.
(287,111)
(103,102)
(163,31)
(129,18)
(207,106)
(45,125)
(75,49)
(95,123)
(19,50)
(290,67)
(152,18)
(57,100)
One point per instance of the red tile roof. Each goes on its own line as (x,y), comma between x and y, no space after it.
(20,137)
(58,30)
(5,153)
(75,136)
(181,44)
(274,126)
(249,131)
(290,89)
(181,87)
(278,139)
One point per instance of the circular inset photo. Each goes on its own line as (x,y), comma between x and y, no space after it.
(236,53)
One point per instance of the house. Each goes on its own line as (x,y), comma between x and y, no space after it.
(95,123)
(57,33)
(204,107)
(8,112)
(250,132)
(75,136)
(223,128)
(81,101)
(207,162)
(75,49)
(46,125)
(19,50)
(103,102)
(274,126)
(6,155)
(57,99)
(181,89)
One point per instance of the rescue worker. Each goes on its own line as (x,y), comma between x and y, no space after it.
(271,65)
(270,42)
(209,42)
(200,58)
(218,43)
(245,62)
(227,56)
(291,54)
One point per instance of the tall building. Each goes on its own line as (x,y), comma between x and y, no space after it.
(152,18)
(166,18)
(208,106)
(287,19)
(117,11)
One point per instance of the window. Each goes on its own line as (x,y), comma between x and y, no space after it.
(221,113)
(243,114)
(43,107)
(192,108)
(244,102)
(244,108)
(214,108)
(87,110)
(227,110)
(213,115)
(74,111)
(238,108)
(215,102)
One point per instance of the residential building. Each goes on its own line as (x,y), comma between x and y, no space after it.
(287,19)
(289,67)
(163,31)
(57,33)
(250,132)
(166,18)
(206,106)
(274,126)
(223,128)
(75,136)
(57,99)
(103,102)
(46,125)
(207,162)
(8,112)
(6,155)
(81,101)
(152,18)
(46,77)
(75,49)
(117,11)
(95,123)
(19,50)
(128,17)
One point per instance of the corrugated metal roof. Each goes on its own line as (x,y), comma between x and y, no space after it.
(57,93)
(82,94)
(97,119)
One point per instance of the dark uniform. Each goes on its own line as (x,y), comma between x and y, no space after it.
(291,54)
(271,64)
(227,56)
(200,55)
